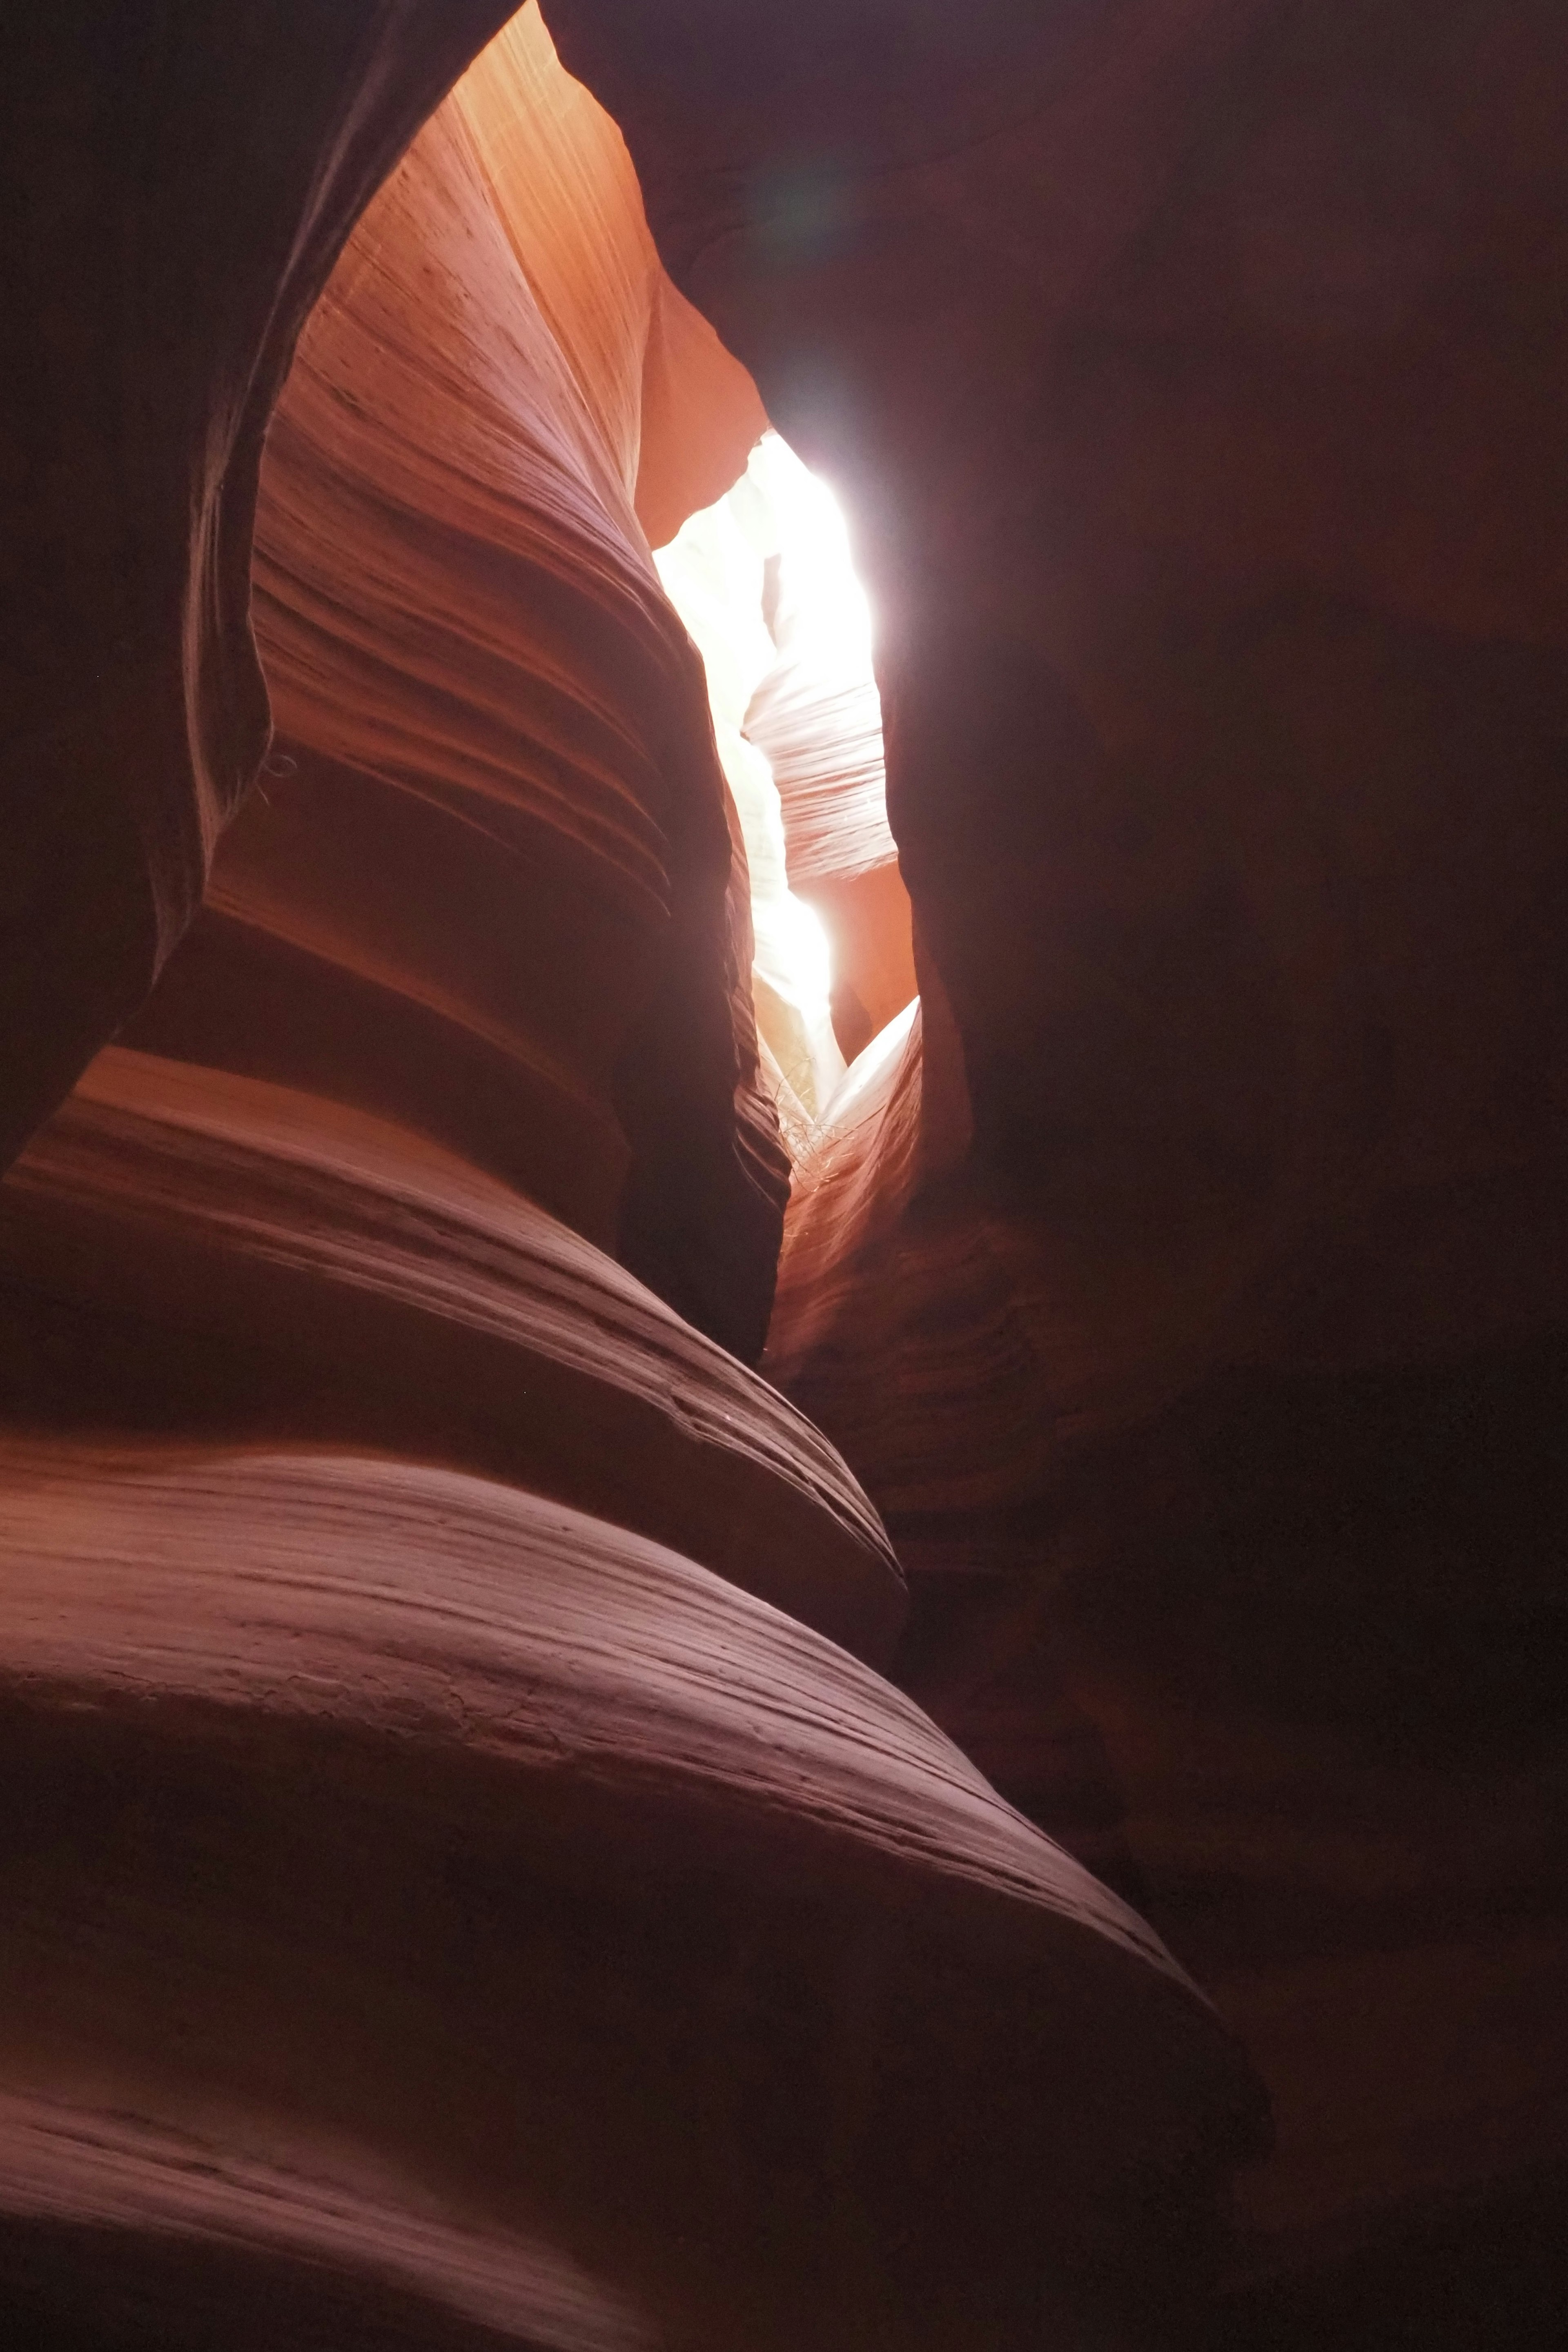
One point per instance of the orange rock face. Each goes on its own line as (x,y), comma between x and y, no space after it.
(570,1967)
(486,884)
(465,1883)
(1221,645)
(175,200)
(215,1255)
(1192,378)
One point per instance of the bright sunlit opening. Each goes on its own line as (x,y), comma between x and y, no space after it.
(803,948)
(830,607)
(765,583)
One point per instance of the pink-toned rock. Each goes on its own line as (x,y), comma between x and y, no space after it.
(176,193)
(428,1905)
(485,886)
(193,1252)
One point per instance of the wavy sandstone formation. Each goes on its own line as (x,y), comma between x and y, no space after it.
(193,1251)
(1193,377)
(151,327)
(460,1889)
(1219,746)
(582,1914)
(485,886)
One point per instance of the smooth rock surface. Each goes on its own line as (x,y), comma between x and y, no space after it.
(596,1948)
(185,1250)
(176,191)
(487,886)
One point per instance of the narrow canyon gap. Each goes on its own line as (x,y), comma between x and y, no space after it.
(521,1828)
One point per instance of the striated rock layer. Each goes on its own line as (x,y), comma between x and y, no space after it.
(487,885)
(605,1949)
(176,194)
(189,1252)
(460,1888)
(1193,376)
(1200,433)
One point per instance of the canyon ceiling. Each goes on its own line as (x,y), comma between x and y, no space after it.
(655,1693)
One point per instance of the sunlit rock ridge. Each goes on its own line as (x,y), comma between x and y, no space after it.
(781,1378)
(467,1882)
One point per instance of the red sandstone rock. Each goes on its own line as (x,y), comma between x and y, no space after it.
(1194,374)
(191,1251)
(484,887)
(176,193)
(429,1902)
(1221,644)
(579,1806)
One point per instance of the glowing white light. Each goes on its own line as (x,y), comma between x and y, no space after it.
(803,949)
(814,632)
(829,607)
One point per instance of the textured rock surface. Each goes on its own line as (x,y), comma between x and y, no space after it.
(176,194)
(1193,376)
(486,884)
(563,1921)
(1222,623)
(1192,372)
(187,1251)
(446,1901)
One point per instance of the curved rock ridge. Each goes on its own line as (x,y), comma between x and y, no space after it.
(1193,376)
(591,1904)
(891,1258)
(894,1256)
(183,1249)
(485,886)
(146,333)
(1194,1295)
(674,410)
(102,2214)
(1222,629)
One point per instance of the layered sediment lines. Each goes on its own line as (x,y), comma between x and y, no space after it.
(487,885)
(149,328)
(676,411)
(894,1256)
(461,1888)
(558,1920)
(1221,646)
(1194,380)
(188,1251)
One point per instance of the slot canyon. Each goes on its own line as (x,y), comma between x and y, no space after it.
(784,1292)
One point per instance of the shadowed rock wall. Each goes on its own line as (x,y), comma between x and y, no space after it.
(487,885)
(459,1886)
(175,201)
(1193,376)
(1190,1295)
